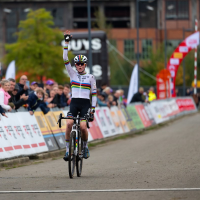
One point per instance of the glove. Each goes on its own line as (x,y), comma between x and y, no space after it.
(92,111)
(91,118)
(67,38)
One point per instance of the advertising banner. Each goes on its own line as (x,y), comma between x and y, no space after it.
(95,130)
(176,58)
(90,138)
(6,146)
(128,118)
(101,120)
(174,107)
(150,116)
(158,112)
(135,117)
(122,120)
(109,120)
(47,134)
(59,136)
(63,121)
(29,126)
(185,104)
(143,115)
(116,119)
(133,85)
(16,138)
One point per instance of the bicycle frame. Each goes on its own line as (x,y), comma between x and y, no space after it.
(75,127)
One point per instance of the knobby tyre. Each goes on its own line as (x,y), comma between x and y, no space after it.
(79,157)
(72,157)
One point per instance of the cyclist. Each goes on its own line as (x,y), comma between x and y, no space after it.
(82,84)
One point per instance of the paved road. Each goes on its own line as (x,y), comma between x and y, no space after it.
(168,157)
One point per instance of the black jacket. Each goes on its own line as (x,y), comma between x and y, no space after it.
(33,102)
(137,97)
(13,99)
(21,91)
(2,110)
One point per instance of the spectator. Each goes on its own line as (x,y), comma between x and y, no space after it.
(138,96)
(49,86)
(12,101)
(51,100)
(152,95)
(106,92)
(67,91)
(60,97)
(33,87)
(103,86)
(55,88)
(34,100)
(44,104)
(101,100)
(116,96)
(4,96)
(46,97)
(111,101)
(23,88)
(191,91)
(188,92)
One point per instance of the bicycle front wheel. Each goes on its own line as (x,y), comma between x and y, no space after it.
(72,156)
(79,158)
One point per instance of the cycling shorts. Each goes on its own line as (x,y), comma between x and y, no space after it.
(79,105)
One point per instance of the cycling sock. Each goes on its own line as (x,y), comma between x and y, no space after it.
(67,145)
(85,144)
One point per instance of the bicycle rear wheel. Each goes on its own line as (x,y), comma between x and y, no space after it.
(79,158)
(72,157)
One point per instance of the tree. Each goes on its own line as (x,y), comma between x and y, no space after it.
(38,48)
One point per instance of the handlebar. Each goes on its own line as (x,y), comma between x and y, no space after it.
(74,118)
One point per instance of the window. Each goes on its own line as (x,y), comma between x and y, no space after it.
(117,11)
(146,47)
(81,12)
(119,24)
(148,14)
(177,9)
(129,51)
(172,45)
(57,14)
(118,16)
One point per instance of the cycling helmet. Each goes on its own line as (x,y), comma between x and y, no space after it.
(80,58)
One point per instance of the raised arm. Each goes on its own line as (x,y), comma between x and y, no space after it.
(94,92)
(66,59)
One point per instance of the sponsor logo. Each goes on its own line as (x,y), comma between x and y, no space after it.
(192,42)
(183,49)
(178,55)
(174,61)
(83,44)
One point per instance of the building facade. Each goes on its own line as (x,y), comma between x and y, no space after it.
(155,16)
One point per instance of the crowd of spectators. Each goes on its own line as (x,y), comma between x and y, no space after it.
(15,95)
(107,97)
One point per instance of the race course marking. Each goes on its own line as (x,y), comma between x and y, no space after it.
(111,190)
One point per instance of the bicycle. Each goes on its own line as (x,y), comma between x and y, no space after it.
(75,151)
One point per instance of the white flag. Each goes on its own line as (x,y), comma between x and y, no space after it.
(133,86)
(10,72)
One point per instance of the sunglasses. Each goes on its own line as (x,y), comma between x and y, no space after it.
(80,64)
